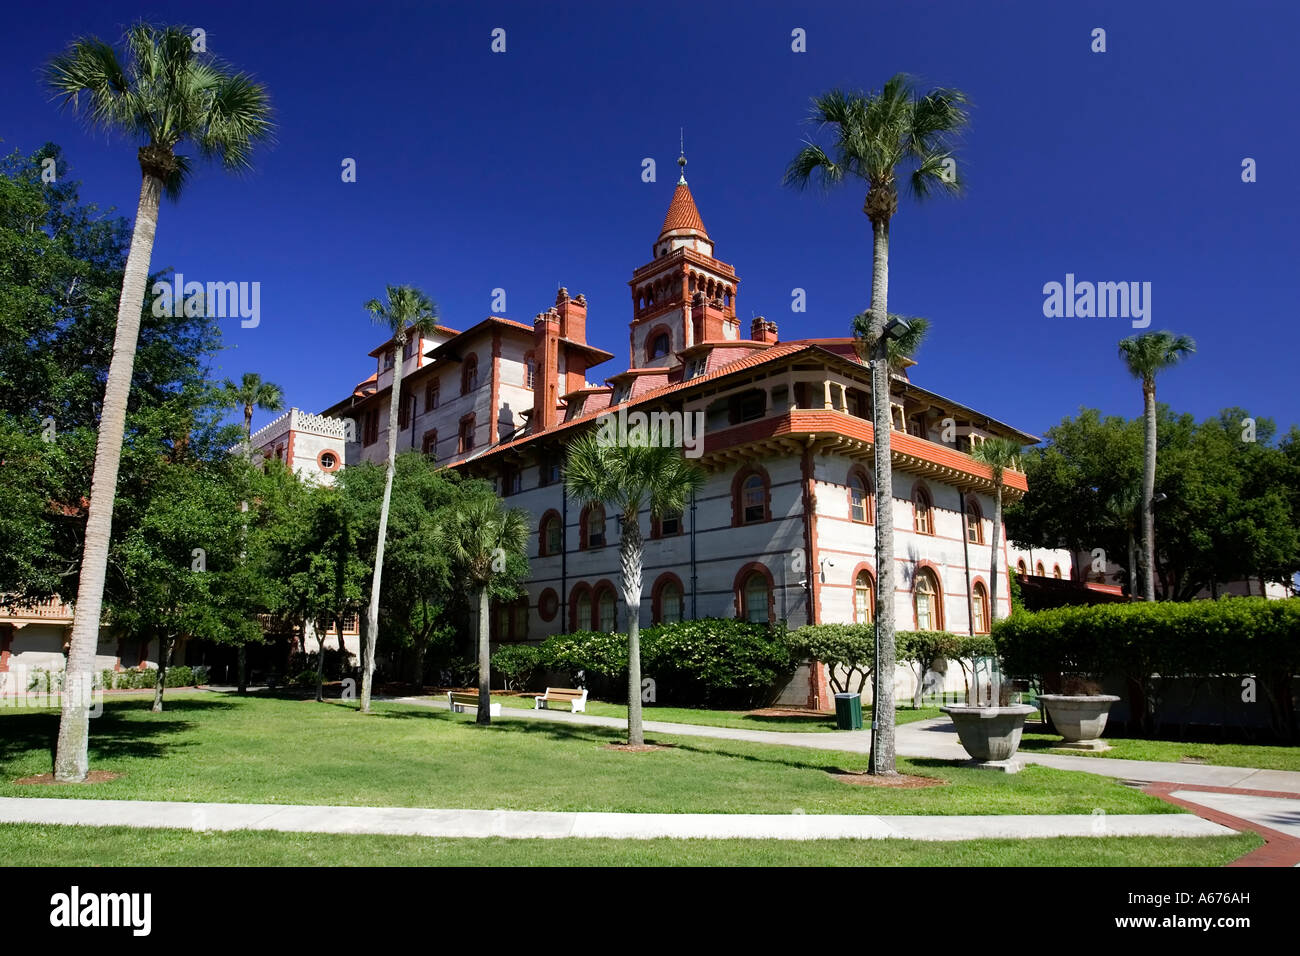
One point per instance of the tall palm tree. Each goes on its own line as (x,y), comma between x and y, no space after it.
(1146,356)
(249,395)
(999,454)
(164,95)
(630,477)
(408,314)
(479,538)
(876,138)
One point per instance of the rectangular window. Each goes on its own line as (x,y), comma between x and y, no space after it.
(467,435)
(548,469)
(403,412)
(370,430)
(388,360)
(670,525)
(429,445)
(408,350)
(431,396)
(511,481)
(978,606)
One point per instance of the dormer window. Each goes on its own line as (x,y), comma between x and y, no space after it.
(620,395)
(695,368)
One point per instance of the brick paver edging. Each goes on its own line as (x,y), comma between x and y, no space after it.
(1280,849)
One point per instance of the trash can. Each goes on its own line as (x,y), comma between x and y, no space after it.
(848,711)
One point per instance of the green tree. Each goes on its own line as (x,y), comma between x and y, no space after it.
(1146,356)
(479,536)
(876,139)
(407,313)
(165,95)
(998,454)
(632,474)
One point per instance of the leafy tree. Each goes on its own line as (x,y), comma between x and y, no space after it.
(165,95)
(632,476)
(1146,356)
(408,312)
(876,139)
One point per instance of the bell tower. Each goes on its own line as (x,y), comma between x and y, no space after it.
(683,296)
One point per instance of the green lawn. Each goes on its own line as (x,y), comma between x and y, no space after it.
(799,723)
(31,845)
(1262,756)
(221,747)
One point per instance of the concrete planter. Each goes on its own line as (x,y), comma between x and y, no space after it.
(1080,719)
(991,735)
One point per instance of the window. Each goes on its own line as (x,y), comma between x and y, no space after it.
(864,598)
(755,598)
(896,418)
(1040,570)
(511,481)
(747,407)
(924,513)
(659,346)
(548,604)
(530,372)
(548,469)
(606,610)
(431,395)
(327,461)
(1056,572)
(388,360)
(279,453)
(370,430)
(466,436)
(469,375)
(974,522)
(860,503)
(696,366)
(750,498)
(926,598)
(980,608)
(403,412)
(593,524)
(512,620)
(1021,569)
(667,525)
(429,444)
(549,535)
(582,611)
(667,600)
(409,349)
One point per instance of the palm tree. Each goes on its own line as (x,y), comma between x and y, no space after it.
(1145,356)
(409,313)
(251,393)
(900,347)
(632,476)
(1125,507)
(876,138)
(479,538)
(164,95)
(999,454)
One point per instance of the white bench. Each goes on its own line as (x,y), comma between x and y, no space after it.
(458,703)
(575,698)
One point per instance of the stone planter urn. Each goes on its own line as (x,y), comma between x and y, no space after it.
(991,735)
(1080,719)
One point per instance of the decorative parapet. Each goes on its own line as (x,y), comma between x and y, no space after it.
(297,420)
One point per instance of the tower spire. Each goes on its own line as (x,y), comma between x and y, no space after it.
(681,158)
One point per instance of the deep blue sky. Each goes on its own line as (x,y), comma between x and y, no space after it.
(522,170)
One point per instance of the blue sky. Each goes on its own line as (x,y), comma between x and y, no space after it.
(522,170)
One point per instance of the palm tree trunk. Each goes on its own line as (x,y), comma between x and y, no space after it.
(484,715)
(882,705)
(630,559)
(1148,492)
(993,568)
(372,616)
(71,760)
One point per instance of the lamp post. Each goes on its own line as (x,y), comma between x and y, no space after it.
(894,328)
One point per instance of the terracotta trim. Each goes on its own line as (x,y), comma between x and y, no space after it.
(853,585)
(939,593)
(737,505)
(549,514)
(861,472)
(813,571)
(496,385)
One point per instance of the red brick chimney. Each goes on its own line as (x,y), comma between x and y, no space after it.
(573,316)
(707,319)
(546,376)
(761,330)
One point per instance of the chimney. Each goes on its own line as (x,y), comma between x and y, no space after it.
(761,330)
(546,375)
(573,316)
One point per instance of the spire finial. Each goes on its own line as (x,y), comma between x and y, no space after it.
(681,159)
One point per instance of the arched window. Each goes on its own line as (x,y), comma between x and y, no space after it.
(861,506)
(1056,572)
(928,601)
(469,375)
(606,610)
(751,501)
(864,598)
(582,611)
(980,608)
(666,600)
(974,522)
(547,604)
(924,512)
(1040,570)
(1021,569)
(659,346)
(593,527)
(548,537)
(753,590)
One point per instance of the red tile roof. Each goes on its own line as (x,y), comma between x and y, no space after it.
(682,214)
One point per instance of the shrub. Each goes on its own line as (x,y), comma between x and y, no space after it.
(847,650)
(587,653)
(517,663)
(716,661)
(179,676)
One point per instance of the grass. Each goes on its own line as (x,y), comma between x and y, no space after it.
(260,749)
(39,845)
(1261,756)
(741,719)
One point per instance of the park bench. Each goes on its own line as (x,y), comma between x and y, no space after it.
(458,703)
(576,699)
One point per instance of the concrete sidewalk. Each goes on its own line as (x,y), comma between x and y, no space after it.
(935,739)
(527,824)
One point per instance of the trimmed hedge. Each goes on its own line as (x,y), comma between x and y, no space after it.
(852,649)
(1144,642)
